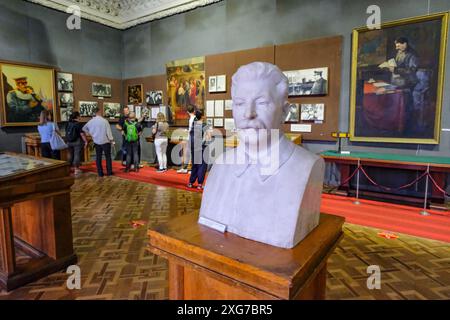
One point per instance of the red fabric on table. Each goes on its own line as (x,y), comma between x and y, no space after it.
(386,111)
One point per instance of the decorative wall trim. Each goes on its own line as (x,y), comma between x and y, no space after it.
(124,14)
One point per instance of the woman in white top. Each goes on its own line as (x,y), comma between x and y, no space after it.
(160,130)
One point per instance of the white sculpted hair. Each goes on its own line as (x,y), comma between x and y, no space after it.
(262,70)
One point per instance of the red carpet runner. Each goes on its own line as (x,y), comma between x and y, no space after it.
(381,215)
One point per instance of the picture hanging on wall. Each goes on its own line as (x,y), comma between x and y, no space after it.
(101,90)
(111,110)
(186,86)
(64,81)
(135,94)
(65,113)
(221,83)
(397,81)
(26,91)
(87,108)
(308,82)
(212,85)
(313,112)
(154,98)
(65,99)
(293,113)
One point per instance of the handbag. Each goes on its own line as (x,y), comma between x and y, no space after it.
(153,136)
(56,142)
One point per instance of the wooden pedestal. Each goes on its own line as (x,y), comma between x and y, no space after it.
(35,219)
(205,264)
(33,148)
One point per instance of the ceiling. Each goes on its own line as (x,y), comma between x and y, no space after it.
(123,14)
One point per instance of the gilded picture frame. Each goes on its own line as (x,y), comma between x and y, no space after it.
(26,90)
(397,81)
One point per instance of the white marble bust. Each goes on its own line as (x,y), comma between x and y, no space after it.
(267,189)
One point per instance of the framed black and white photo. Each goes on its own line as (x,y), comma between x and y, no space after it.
(65,99)
(293,114)
(101,90)
(65,113)
(64,81)
(210,122)
(308,82)
(87,108)
(221,83)
(218,123)
(111,110)
(313,112)
(212,87)
(154,98)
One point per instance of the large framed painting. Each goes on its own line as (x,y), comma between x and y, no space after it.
(397,81)
(26,91)
(186,85)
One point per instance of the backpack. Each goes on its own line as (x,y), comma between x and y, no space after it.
(72,133)
(131,132)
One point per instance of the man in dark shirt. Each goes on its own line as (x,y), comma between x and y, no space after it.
(120,126)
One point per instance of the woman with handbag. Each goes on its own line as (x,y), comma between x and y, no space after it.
(161,141)
(47,130)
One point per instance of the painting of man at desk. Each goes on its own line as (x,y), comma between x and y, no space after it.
(397,79)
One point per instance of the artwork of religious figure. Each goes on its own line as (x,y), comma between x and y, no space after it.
(267,189)
(186,86)
(397,81)
(26,92)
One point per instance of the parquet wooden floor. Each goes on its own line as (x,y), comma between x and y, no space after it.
(115,265)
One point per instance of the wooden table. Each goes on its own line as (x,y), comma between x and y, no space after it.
(207,264)
(439,168)
(35,218)
(33,148)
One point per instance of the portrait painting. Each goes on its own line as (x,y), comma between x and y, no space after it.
(293,114)
(111,110)
(26,91)
(397,81)
(64,81)
(87,108)
(186,86)
(308,82)
(101,90)
(135,94)
(154,98)
(313,112)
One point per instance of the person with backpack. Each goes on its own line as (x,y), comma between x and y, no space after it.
(76,140)
(132,130)
(199,136)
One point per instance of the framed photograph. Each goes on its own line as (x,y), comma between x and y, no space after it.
(212,84)
(308,82)
(219,108)
(397,81)
(221,83)
(26,91)
(218,123)
(111,110)
(87,108)
(229,105)
(210,122)
(293,113)
(65,113)
(135,94)
(101,90)
(65,99)
(154,98)
(229,124)
(313,112)
(185,86)
(64,81)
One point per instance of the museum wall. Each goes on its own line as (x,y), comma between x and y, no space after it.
(233,25)
(31,33)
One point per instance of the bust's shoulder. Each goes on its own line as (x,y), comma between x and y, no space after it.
(306,156)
